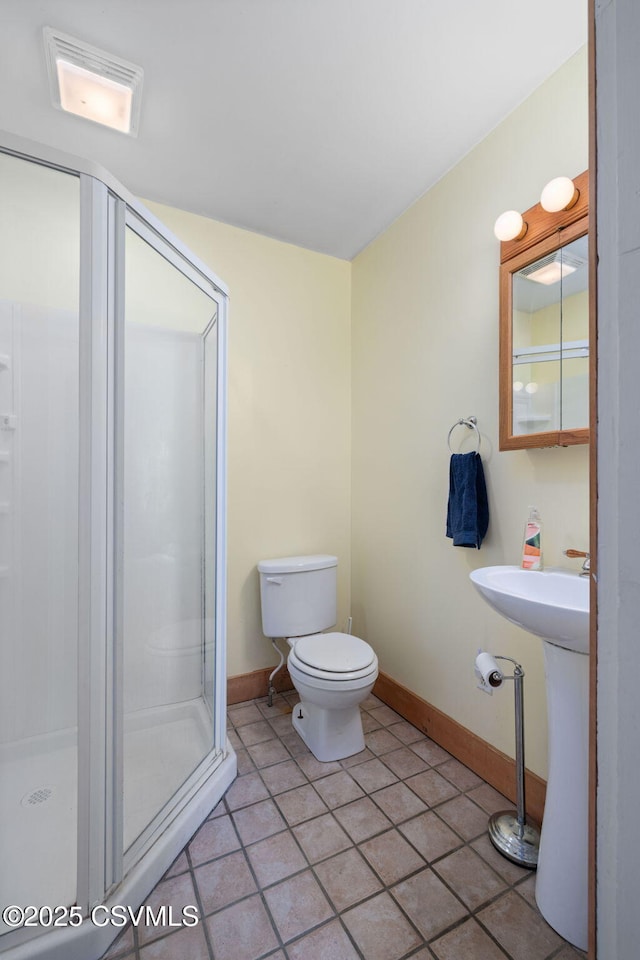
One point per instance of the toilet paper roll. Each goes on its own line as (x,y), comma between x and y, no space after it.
(488,670)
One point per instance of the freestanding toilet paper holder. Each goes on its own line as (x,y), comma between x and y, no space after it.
(509,831)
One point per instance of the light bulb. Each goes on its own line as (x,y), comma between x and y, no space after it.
(517,386)
(510,226)
(559,194)
(532,387)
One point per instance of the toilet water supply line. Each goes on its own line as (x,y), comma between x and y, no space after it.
(275,646)
(272,689)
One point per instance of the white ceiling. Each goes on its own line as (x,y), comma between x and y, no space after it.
(316,122)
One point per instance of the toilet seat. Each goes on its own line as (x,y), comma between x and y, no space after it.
(327,676)
(333,656)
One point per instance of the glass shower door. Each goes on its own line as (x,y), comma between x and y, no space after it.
(112,548)
(39,509)
(168,531)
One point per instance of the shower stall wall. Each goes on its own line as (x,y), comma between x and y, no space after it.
(113,740)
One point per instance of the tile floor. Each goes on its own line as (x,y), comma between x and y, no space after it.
(381,856)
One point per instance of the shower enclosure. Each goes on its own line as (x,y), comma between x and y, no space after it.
(112,550)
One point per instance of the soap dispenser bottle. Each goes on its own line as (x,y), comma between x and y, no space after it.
(532,542)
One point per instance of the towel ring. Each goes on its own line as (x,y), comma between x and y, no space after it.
(472,424)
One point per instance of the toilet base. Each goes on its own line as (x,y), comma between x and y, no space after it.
(329,734)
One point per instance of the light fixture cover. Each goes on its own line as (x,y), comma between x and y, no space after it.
(552,268)
(510,226)
(559,194)
(92,83)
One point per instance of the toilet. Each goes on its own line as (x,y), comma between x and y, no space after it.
(332,672)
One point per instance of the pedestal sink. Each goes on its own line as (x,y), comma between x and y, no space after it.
(554,605)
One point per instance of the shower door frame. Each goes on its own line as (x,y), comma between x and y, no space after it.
(106,874)
(122,860)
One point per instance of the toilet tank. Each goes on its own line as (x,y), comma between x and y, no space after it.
(298,595)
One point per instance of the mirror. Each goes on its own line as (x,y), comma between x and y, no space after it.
(544,329)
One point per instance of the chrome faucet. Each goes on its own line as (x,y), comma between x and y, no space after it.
(586,566)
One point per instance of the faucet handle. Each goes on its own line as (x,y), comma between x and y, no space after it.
(586,566)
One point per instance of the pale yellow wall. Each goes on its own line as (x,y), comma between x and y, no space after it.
(416,348)
(425,352)
(544,324)
(542,327)
(289,412)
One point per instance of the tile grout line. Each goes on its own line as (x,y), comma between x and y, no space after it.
(394,826)
(395,820)
(309,867)
(205,928)
(259,887)
(465,844)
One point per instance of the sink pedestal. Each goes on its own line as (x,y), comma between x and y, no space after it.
(561,884)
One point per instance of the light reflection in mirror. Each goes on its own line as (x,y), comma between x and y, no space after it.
(550,329)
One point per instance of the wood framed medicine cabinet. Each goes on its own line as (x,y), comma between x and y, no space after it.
(544,329)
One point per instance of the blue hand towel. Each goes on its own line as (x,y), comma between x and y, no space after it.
(468,509)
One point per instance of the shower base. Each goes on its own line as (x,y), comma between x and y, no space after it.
(38,796)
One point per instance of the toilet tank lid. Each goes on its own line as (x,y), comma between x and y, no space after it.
(318,561)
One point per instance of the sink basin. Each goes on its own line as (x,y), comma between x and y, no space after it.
(552,604)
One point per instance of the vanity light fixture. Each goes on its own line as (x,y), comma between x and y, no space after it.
(559,194)
(92,83)
(510,226)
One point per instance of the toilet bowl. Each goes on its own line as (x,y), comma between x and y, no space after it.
(332,686)
(332,672)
